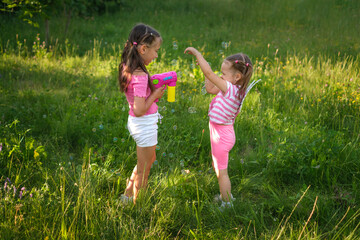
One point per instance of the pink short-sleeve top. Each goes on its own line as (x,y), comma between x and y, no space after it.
(139,87)
(224,108)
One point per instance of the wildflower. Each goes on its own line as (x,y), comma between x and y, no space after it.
(186,171)
(174,127)
(115,139)
(157,147)
(122,140)
(101,127)
(5,185)
(94,129)
(0,147)
(164,154)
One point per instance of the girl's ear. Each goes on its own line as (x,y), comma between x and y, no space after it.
(238,76)
(142,49)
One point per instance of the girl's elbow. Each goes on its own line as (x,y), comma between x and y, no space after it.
(138,113)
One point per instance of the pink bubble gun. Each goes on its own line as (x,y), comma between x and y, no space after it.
(167,78)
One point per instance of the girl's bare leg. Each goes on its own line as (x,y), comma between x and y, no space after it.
(130,183)
(224,184)
(145,158)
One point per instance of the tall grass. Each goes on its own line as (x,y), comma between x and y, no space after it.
(65,152)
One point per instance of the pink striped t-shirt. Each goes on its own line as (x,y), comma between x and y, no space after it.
(139,87)
(224,108)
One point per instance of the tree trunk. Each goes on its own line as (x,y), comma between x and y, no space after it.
(47,32)
(68,18)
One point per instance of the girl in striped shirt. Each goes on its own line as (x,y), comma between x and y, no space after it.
(230,90)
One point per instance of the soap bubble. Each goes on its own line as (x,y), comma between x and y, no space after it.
(203,90)
(192,110)
(225,45)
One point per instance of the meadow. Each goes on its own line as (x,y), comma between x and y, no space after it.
(65,151)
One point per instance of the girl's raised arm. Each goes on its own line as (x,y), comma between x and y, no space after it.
(206,69)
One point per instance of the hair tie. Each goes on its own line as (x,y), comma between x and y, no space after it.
(135,43)
(236,61)
(247,64)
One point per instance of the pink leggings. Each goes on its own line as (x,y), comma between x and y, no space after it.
(222,138)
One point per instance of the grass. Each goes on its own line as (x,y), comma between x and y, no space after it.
(295,166)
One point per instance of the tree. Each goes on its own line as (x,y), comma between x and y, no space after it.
(28,10)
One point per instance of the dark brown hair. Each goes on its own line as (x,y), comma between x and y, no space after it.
(130,57)
(242,63)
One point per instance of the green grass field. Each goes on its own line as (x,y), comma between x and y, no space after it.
(65,152)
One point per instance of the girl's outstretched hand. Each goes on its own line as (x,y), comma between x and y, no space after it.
(192,51)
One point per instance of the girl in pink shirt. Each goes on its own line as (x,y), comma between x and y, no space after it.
(140,49)
(230,90)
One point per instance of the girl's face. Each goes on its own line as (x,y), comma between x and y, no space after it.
(229,73)
(149,53)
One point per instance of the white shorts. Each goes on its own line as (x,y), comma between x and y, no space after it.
(144,129)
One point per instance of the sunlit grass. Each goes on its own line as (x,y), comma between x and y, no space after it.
(282,138)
